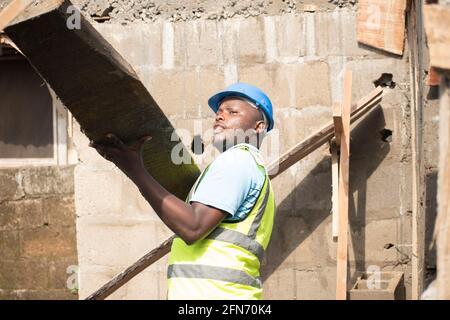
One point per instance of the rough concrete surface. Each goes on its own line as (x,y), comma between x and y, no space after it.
(37,233)
(126,11)
(182,64)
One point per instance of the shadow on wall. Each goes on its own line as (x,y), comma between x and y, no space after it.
(430,221)
(293,227)
(369,146)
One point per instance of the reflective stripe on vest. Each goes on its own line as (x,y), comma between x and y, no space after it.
(212,272)
(238,239)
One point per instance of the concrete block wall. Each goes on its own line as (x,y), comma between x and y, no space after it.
(298,60)
(37,233)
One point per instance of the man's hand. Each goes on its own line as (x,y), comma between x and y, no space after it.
(126,158)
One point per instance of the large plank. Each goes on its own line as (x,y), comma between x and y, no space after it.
(381,24)
(101,90)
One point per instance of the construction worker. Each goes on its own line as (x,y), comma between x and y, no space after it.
(224,226)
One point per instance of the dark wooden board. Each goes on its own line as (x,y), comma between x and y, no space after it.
(101,90)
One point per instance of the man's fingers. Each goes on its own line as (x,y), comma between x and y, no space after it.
(115,140)
(145,139)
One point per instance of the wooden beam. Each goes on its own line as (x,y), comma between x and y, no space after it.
(11,11)
(335,191)
(381,24)
(342,251)
(442,226)
(322,136)
(437,21)
(132,271)
(298,152)
(100,88)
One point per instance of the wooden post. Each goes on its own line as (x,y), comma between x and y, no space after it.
(342,251)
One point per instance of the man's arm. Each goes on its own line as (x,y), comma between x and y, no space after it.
(190,222)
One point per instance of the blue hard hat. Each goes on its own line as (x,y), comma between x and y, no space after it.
(252,93)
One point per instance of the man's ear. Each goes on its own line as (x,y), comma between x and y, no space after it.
(260,126)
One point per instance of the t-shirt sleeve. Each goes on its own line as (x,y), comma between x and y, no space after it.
(227,182)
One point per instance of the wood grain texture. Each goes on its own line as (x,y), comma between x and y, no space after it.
(101,90)
(344,170)
(437,22)
(12,11)
(381,24)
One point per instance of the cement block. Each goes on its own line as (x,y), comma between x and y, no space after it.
(10,185)
(92,278)
(48,242)
(202,43)
(335,34)
(386,286)
(114,242)
(365,71)
(24,274)
(140,43)
(277,81)
(199,85)
(251,41)
(312,84)
(30,213)
(282,188)
(146,286)
(291,36)
(10,245)
(59,211)
(228,31)
(168,88)
(315,284)
(58,275)
(97,192)
(9,220)
(48,180)
(282,278)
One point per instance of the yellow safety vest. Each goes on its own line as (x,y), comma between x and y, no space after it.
(225,264)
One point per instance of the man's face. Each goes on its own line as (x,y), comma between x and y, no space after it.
(235,118)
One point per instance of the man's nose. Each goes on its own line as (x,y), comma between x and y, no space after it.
(219,116)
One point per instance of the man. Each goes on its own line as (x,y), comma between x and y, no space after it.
(224,226)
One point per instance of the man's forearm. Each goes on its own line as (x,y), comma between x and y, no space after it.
(179,216)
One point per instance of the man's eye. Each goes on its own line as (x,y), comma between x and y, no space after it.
(233,112)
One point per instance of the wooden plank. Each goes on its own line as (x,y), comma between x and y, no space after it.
(381,24)
(342,251)
(335,191)
(298,152)
(442,226)
(132,271)
(437,21)
(11,11)
(322,136)
(100,89)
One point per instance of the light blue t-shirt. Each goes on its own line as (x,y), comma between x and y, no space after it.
(232,183)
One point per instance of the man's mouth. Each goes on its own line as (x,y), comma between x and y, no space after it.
(218,128)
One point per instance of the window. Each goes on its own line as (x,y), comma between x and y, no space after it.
(33,122)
